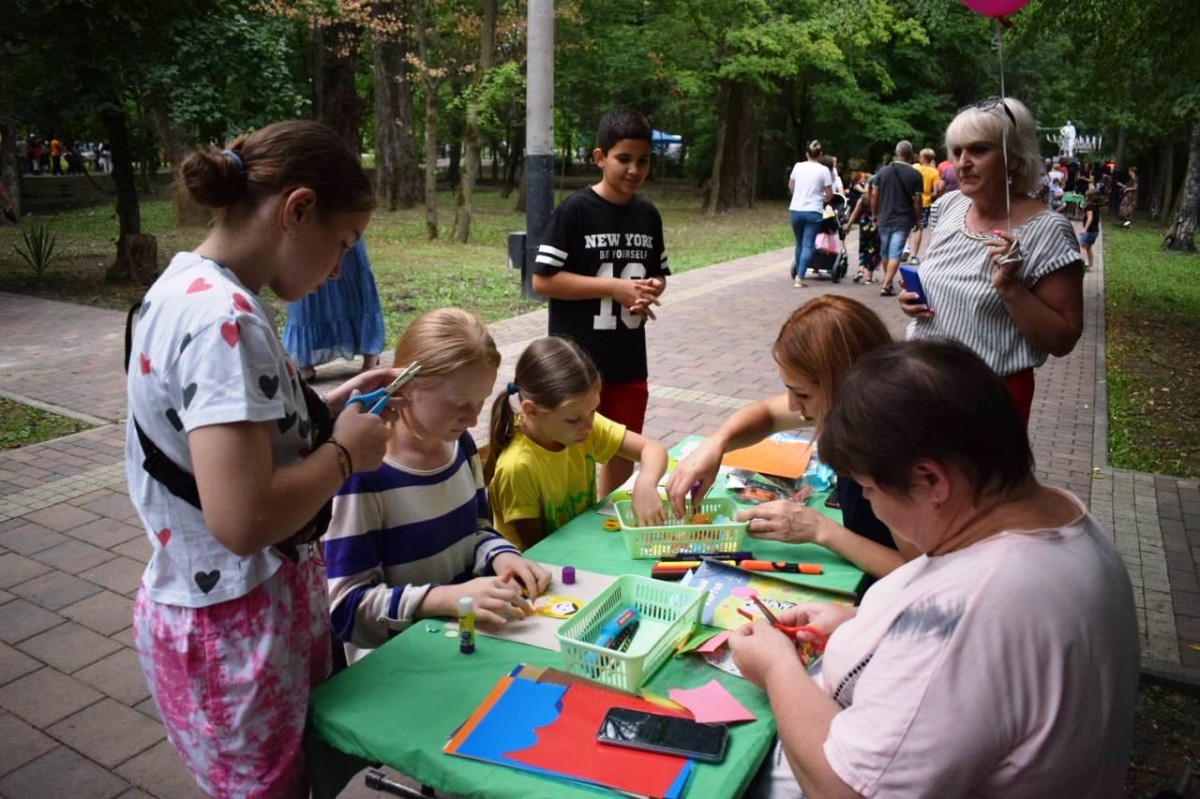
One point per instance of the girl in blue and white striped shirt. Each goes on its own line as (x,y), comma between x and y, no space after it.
(409,539)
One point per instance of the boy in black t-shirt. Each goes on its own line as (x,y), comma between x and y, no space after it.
(603,264)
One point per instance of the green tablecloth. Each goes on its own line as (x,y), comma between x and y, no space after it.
(400,705)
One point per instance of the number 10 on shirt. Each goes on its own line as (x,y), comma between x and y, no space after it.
(607,319)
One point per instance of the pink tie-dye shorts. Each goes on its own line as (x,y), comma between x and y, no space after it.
(231,681)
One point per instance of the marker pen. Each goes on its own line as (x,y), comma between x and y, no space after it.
(466,625)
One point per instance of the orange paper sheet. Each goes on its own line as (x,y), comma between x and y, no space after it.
(772,457)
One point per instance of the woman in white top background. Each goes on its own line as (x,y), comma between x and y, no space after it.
(811,185)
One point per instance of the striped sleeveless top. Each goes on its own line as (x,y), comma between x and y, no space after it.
(957,277)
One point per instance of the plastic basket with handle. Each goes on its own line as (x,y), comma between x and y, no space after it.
(668,539)
(668,613)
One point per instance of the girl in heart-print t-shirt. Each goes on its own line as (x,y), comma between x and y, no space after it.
(231,637)
(205,353)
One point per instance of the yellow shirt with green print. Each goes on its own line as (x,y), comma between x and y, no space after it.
(534,483)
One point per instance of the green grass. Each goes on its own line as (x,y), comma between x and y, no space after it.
(21,425)
(413,274)
(1152,310)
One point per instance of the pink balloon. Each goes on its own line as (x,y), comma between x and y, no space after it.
(996,8)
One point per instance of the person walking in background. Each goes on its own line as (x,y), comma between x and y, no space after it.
(929,179)
(1129,192)
(811,185)
(1093,202)
(896,208)
(342,319)
(56,151)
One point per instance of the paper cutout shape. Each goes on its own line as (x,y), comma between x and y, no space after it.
(711,704)
(714,643)
(549,727)
(556,607)
(539,630)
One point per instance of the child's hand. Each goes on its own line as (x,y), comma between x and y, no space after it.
(647,505)
(700,466)
(655,285)
(530,577)
(496,600)
(364,435)
(643,308)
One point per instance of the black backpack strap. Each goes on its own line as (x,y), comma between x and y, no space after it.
(137,306)
(166,471)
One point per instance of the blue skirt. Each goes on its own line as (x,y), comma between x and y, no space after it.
(341,319)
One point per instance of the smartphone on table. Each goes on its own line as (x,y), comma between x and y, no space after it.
(670,735)
(912,282)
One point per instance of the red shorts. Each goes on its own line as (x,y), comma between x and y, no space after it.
(625,403)
(1020,387)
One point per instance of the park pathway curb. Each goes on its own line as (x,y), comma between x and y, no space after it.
(75,715)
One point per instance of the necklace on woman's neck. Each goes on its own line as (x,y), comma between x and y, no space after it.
(969,230)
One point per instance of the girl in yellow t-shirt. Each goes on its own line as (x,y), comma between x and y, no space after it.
(542,463)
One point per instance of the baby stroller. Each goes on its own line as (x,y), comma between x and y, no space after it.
(830,256)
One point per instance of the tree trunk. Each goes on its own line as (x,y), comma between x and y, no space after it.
(1181,235)
(1160,201)
(137,254)
(335,100)
(10,175)
(397,177)
(739,160)
(471,139)
(453,171)
(431,202)
(512,162)
(714,182)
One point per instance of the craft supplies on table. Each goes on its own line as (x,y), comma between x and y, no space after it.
(666,615)
(718,532)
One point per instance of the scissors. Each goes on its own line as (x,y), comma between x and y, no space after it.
(377,400)
(809,647)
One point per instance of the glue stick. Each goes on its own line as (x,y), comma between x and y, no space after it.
(466,625)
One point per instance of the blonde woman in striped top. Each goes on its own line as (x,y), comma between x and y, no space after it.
(1012,308)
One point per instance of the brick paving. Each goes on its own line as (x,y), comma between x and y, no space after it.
(75,718)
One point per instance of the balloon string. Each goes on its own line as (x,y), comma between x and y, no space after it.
(1004,126)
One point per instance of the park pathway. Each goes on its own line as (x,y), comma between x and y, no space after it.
(75,715)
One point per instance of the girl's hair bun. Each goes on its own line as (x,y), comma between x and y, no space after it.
(213,178)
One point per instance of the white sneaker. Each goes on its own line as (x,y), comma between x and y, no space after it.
(1128,223)
(797,283)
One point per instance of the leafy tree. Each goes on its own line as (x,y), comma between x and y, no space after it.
(94,60)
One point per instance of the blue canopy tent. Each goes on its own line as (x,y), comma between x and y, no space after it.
(658,138)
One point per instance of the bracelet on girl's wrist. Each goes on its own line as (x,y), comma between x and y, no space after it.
(345,462)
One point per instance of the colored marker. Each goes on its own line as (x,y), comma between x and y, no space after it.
(739,555)
(612,631)
(748,565)
(466,625)
(777,566)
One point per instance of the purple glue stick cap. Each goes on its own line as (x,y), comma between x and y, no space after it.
(568,575)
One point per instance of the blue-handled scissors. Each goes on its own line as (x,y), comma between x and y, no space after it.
(377,400)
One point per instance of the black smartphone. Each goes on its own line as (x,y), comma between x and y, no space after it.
(671,735)
(912,282)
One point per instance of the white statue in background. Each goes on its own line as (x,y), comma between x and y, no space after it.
(1067,141)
